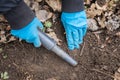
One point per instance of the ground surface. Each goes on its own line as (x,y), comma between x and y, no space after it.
(97,59)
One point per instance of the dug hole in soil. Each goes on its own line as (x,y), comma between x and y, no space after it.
(98,59)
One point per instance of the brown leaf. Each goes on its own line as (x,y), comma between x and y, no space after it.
(43,15)
(92,11)
(118,34)
(101,4)
(117,75)
(54,4)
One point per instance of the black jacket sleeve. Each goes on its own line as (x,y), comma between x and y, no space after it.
(19,14)
(72,5)
(16,12)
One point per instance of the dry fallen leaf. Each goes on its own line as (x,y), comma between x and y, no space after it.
(3,39)
(2,18)
(92,11)
(27,2)
(35,6)
(87,2)
(54,4)
(43,15)
(117,75)
(101,4)
(101,21)
(118,34)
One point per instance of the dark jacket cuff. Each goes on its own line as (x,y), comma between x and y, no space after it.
(19,16)
(72,5)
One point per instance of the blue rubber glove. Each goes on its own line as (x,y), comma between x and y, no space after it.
(29,32)
(75,25)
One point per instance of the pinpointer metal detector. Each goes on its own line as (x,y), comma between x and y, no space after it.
(50,44)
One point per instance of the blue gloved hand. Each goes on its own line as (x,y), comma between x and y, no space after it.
(29,32)
(75,25)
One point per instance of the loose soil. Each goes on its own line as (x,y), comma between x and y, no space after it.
(98,59)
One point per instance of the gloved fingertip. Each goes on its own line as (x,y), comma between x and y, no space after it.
(40,25)
(28,41)
(80,42)
(77,46)
(71,47)
(84,32)
(37,43)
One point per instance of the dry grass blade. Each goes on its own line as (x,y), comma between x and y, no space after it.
(81,53)
(103,73)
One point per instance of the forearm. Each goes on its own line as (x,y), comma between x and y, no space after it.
(72,5)
(16,12)
(19,14)
(6,5)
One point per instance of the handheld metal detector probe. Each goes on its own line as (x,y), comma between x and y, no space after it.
(50,44)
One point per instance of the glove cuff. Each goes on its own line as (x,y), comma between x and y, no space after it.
(19,16)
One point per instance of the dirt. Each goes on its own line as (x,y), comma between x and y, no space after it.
(98,59)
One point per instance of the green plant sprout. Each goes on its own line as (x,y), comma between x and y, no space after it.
(48,24)
(4,75)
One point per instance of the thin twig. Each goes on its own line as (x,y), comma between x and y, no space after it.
(18,67)
(103,73)
(81,53)
(15,65)
(98,38)
(34,56)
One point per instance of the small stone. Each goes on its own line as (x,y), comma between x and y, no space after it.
(119,70)
(118,34)
(92,24)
